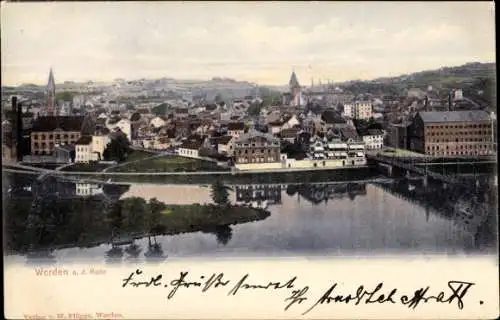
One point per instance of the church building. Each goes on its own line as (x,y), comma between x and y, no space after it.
(295,97)
(50,91)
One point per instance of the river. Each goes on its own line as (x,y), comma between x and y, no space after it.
(385,217)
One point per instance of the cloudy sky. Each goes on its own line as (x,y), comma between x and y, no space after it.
(253,41)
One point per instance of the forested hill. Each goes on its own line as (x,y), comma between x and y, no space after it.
(477,80)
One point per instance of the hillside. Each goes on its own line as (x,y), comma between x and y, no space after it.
(477,80)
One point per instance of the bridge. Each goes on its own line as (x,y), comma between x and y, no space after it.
(416,165)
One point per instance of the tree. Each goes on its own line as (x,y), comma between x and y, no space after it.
(219,193)
(161,109)
(223,233)
(219,98)
(155,209)
(254,109)
(117,150)
(115,217)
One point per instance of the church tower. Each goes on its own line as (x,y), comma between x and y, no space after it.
(296,95)
(50,92)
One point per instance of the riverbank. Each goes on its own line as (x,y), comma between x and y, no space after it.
(244,177)
(168,163)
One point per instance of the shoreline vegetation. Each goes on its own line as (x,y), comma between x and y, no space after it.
(52,223)
(169,163)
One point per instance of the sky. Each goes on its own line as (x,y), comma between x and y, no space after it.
(249,41)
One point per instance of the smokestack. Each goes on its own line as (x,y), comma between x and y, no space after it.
(14,104)
(14,120)
(19,132)
(449,101)
(426,103)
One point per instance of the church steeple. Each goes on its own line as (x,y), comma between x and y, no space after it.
(51,94)
(293,80)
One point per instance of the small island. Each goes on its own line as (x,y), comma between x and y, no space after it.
(52,222)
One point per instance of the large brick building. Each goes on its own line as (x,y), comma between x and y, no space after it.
(256,147)
(452,133)
(50,131)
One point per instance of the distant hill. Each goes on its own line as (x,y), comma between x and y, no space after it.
(477,80)
(444,77)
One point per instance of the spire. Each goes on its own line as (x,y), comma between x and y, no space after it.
(51,83)
(293,80)
(51,95)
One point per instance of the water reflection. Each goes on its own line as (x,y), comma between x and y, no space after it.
(155,252)
(44,219)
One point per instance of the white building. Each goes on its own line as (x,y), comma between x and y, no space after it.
(123,124)
(190,148)
(350,152)
(83,150)
(374,139)
(349,110)
(459,95)
(359,110)
(88,189)
(159,121)
(225,144)
(90,148)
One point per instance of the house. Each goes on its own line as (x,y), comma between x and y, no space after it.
(274,127)
(290,122)
(289,134)
(225,144)
(373,139)
(190,148)
(257,148)
(156,143)
(358,110)
(159,121)
(90,148)
(124,125)
(348,133)
(181,113)
(83,150)
(235,129)
(284,122)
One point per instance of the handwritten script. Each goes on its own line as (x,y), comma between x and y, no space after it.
(295,294)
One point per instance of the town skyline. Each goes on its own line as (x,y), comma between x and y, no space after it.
(336,42)
(283,85)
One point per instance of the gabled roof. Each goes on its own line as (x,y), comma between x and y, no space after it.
(454,116)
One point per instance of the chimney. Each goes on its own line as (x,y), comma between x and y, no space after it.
(19,132)
(426,103)
(450,101)
(14,104)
